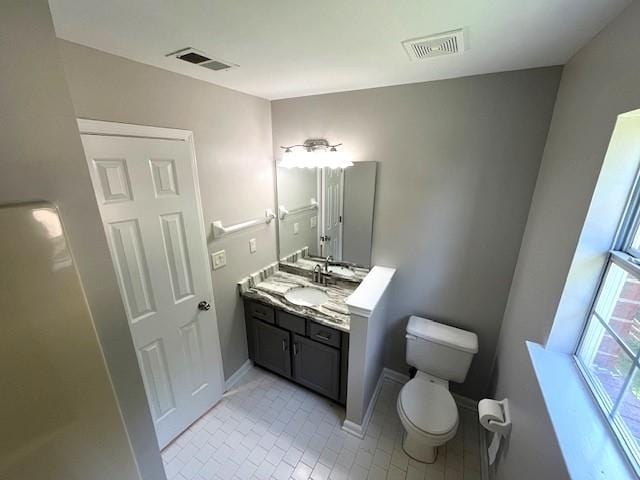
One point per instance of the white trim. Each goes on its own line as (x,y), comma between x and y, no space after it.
(353,428)
(365,298)
(237,375)
(576,419)
(386,374)
(99,127)
(360,430)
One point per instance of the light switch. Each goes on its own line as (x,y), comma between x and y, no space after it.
(296,228)
(219,259)
(252,245)
(313,221)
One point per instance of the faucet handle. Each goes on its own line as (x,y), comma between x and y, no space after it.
(317,272)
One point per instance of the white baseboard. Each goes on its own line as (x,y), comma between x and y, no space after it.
(237,375)
(359,430)
(353,428)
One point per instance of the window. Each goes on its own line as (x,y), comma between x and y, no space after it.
(609,350)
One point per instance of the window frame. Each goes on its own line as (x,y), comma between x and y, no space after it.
(626,257)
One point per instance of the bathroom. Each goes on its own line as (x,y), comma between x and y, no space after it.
(488,190)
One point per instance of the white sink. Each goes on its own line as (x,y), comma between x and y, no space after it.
(306,296)
(343,271)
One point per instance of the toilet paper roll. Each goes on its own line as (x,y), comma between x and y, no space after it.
(489,410)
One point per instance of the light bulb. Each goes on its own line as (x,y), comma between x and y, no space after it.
(319,158)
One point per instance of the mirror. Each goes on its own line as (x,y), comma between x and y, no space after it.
(327,212)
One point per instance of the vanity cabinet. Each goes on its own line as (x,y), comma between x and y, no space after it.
(309,353)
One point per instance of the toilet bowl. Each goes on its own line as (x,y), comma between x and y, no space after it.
(426,408)
(429,417)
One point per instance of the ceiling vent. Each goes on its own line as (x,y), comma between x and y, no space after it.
(439,45)
(196,57)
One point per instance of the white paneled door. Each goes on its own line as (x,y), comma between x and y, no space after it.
(149,203)
(332,188)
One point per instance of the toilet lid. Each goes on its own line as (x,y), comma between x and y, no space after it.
(429,406)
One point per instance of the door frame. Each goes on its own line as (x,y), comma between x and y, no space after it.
(116,129)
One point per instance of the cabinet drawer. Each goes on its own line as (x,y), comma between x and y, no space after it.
(264,313)
(324,334)
(291,322)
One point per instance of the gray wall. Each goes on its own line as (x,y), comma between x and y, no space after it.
(296,187)
(458,160)
(599,83)
(359,198)
(232,133)
(41,157)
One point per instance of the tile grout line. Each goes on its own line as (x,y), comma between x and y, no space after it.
(267,428)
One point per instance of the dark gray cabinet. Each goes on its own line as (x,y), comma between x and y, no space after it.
(316,366)
(272,348)
(298,348)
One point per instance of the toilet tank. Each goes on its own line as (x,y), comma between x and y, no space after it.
(440,350)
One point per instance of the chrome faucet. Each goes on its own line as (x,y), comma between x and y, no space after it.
(327,261)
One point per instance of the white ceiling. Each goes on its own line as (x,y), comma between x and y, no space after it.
(288,48)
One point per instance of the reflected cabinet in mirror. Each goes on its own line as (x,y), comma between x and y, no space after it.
(327,212)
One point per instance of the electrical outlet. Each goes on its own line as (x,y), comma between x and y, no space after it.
(296,228)
(252,245)
(218,259)
(313,221)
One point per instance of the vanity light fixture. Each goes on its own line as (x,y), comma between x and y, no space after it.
(314,153)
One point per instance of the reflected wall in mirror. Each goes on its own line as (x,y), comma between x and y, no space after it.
(329,211)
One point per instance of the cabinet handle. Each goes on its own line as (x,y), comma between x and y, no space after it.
(295,349)
(326,338)
(284,345)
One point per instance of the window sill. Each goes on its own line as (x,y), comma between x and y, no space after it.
(589,448)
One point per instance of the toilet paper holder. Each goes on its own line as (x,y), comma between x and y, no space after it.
(493,425)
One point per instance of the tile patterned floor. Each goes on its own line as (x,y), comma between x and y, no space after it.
(268,428)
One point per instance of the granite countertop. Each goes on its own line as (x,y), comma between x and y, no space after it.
(307,264)
(333,313)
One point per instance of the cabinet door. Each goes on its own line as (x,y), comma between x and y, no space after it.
(272,348)
(316,366)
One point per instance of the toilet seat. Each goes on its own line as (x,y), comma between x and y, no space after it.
(428,409)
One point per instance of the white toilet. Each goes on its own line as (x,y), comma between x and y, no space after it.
(426,408)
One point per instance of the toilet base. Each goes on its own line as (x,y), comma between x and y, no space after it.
(417,449)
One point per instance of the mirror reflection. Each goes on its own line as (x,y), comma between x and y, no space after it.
(327,213)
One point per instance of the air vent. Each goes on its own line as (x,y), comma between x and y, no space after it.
(193,57)
(215,65)
(196,57)
(439,45)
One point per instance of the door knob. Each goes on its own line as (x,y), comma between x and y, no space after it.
(204,306)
